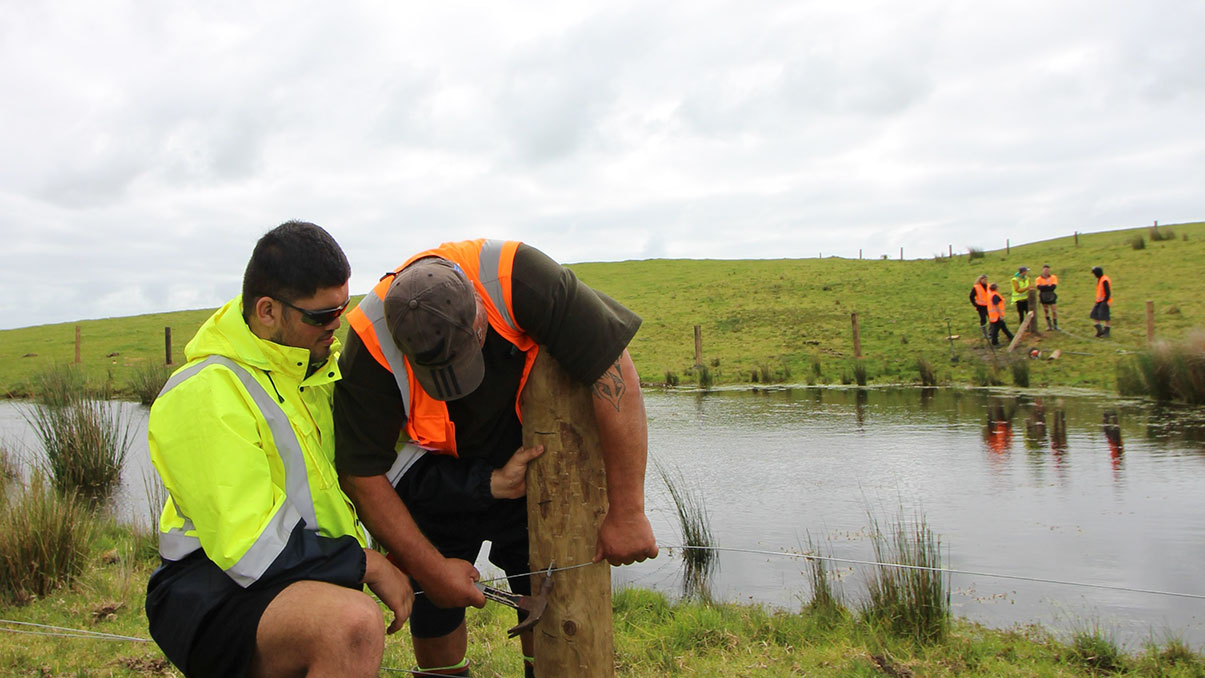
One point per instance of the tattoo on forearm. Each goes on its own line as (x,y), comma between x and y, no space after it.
(610,386)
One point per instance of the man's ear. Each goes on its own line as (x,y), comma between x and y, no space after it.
(267,313)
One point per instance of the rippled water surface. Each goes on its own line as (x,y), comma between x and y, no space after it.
(1081,489)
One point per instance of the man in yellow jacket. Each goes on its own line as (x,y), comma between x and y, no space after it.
(263,560)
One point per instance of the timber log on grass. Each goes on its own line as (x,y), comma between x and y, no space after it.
(566,502)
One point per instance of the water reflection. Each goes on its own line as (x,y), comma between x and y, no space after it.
(998,433)
(1112,431)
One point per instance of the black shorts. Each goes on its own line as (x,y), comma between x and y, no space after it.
(1100,311)
(460,535)
(204,622)
(1048,298)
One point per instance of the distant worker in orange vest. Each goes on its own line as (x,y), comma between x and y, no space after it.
(1046,295)
(1104,299)
(427,422)
(979,299)
(995,313)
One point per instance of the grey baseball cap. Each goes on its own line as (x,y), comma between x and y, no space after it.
(430,309)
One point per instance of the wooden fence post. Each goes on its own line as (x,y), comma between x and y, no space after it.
(901,254)
(77,344)
(1032,300)
(859,254)
(1150,322)
(566,502)
(698,346)
(950,252)
(853,319)
(167,346)
(1020,332)
(1008,247)
(1077,238)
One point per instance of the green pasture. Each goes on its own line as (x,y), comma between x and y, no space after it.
(789,320)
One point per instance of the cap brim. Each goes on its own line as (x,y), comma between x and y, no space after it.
(455,380)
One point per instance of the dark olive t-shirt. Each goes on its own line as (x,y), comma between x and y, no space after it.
(585,330)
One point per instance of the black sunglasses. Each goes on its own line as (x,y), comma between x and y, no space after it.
(318,318)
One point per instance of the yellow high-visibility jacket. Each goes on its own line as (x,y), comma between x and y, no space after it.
(244,442)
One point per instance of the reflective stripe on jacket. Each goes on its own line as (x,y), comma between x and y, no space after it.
(1101,293)
(488,264)
(244,442)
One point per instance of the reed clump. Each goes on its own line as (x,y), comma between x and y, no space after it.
(699,557)
(928,373)
(85,444)
(860,375)
(58,385)
(974,253)
(1167,371)
(706,379)
(1137,243)
(909,595)
(1020,370)
(44,540)
(1094,647)
(148,380)
(827,603)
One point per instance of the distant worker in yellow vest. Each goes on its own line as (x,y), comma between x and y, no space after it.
(1046,295)
(1104,299)
(1021,285)
(995,313)
(428,422)
(979,299)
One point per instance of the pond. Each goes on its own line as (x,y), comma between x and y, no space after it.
(1084,502)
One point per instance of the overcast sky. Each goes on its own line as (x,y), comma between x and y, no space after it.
(146,145)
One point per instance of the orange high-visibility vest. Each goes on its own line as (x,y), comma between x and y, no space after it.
(995,307)
(488,264)
(1047,282)
(982,295)
(1100,289)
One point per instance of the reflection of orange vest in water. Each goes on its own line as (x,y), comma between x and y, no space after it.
(999,436)
(488,264)
(995,307)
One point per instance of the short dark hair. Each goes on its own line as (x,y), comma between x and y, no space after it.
(291,262)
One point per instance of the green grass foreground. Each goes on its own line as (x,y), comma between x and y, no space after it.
(653,637)
(788,320)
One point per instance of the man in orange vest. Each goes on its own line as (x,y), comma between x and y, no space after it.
(979,299)
(995,314)
(1047,296)
(1104,299)
(438,354)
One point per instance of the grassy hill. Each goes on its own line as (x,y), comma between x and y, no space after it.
(788,320)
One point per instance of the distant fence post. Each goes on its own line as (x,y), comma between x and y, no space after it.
(901,254)
(951,251)
(853,319)
(167,346)
(698,346)
(1077,238)
(1150,322)
(859,253)
(77,344)
(1008,247)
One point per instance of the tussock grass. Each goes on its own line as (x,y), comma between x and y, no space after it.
(860,374)
(699,560)
(59,385)
(1094,647)
(1020,370)
(928,374)
(706,380)
(1167,371)
(913,601)
(974,253)
(85,444)
(147,380)
(827,602)
(44,539)
(1137,243)
(987,375)
(1157,235)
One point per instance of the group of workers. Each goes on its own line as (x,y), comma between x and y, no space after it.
(278,450)
(991,305)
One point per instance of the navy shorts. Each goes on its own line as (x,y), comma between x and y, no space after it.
(1100,311)
(461,535)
